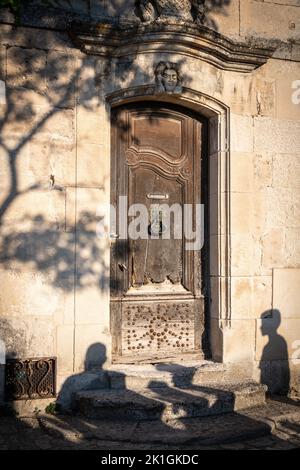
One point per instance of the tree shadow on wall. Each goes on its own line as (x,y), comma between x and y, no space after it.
(40,229)
(62,11)
(69,257)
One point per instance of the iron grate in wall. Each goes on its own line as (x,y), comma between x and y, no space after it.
(30,379)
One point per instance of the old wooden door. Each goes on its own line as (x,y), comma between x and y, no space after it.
(157,307)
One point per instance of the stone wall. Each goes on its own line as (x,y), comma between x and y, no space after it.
(55,171)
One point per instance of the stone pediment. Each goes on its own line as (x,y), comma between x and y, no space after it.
(129,37)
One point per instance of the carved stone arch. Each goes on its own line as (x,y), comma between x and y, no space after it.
(218,116)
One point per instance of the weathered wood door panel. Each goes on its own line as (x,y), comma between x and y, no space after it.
(157,307)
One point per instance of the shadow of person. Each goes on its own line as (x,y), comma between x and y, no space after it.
(91,378)
(274,365)
(188,394)
(219,420)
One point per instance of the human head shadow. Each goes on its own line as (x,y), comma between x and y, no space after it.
(92,378)
(274,361)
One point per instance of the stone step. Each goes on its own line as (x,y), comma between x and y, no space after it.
(165,403)
(204,431)
(135,377)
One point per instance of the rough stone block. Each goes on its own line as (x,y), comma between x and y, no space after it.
(259,215)
(286,292)
(283,208)
(26,68)
(19,122)
(264,97)
(273,248)
(89,205)
(238,93)
(28,294)
(292,247)
(39,164)
(261,295)
(250,296)
(286,171)
(241,172)
(241,213)
(276,135)
(66,317)
(19,97)
(56,124)
(224,17)
(61,79)
(242,255)
(91,127)
(241,134)
(92,347)
(91,73)
(27,337)
(239,341)
(92,301)
(262,170)
(65,348)
(241,292)
(269,20)
(38,208)
(92,165)
(28,38)
(52,157)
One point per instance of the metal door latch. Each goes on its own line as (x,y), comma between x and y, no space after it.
(123,267)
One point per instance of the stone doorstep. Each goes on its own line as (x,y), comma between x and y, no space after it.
(213,430)
(136,377)
(167,403)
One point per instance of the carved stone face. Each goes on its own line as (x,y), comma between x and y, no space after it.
(170,79)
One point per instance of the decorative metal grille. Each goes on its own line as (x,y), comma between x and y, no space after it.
(30,379)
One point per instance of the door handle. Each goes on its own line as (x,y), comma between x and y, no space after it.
(114,236)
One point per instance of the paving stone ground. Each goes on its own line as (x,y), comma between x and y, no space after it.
(274,426)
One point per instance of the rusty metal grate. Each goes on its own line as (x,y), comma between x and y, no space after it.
(30,379)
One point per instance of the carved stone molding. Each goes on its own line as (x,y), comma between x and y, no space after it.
(123,39)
